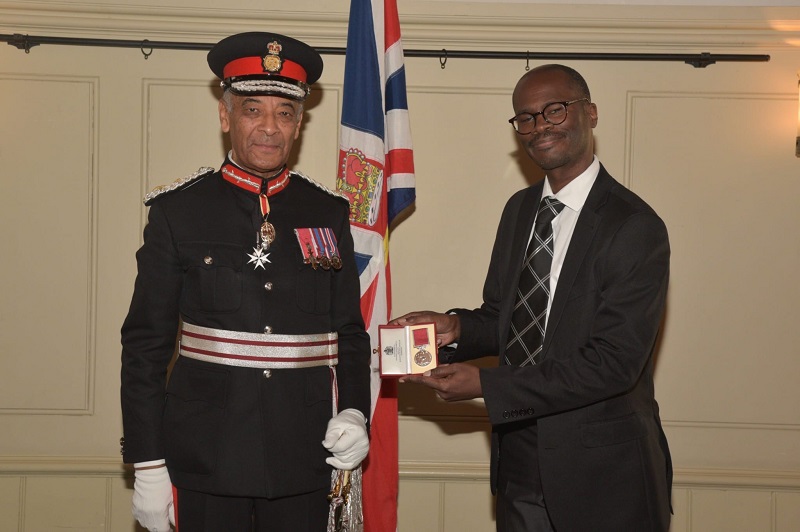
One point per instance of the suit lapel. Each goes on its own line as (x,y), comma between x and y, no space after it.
(585,230)
(522,232)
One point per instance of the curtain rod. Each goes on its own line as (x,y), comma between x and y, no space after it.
(701,60)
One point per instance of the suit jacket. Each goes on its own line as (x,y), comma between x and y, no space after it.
(238,430)
(602,453)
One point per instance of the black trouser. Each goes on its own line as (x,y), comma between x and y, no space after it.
(201,512)
(520,502)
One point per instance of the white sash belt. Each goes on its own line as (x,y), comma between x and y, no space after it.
(254,350)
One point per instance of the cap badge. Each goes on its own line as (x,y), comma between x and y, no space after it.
(272,61)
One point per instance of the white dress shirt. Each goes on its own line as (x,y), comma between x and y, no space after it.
(573,196)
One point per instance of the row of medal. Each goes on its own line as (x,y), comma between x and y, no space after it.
(319,248)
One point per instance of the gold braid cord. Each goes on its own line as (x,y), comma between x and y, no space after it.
(346,512)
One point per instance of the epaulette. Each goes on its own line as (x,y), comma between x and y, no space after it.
(322,187)
(178,184)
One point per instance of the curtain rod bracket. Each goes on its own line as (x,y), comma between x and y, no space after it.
(701,62)
(22,42)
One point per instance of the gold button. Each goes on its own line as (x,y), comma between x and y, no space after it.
(267,373)
(268,286)
(208,260)
(267,330)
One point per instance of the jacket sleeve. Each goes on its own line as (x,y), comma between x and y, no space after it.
(148,340)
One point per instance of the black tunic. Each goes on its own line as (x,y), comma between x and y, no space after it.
(232,430)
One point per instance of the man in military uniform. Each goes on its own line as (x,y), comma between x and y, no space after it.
(251,269)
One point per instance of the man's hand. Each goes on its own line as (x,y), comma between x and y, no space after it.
(152,496)
(452,382)
(448,326)
(347,439)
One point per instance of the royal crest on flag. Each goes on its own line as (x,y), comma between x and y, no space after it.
(361,180)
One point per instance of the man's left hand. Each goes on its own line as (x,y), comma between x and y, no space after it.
(347,439)
(452,382)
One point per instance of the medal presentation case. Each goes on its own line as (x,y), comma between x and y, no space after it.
(407,350)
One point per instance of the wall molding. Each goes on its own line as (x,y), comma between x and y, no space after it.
(70,466)
(427,24)
(636,97)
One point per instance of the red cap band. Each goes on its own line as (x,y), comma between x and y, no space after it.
(249,66)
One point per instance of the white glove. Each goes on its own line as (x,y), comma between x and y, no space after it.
(152,496)
(347,439)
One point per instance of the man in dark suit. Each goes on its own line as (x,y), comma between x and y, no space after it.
(577,443)
(251,268)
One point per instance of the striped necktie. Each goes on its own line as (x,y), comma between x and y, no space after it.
(528,320)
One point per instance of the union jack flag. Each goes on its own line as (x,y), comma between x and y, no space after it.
(376,172)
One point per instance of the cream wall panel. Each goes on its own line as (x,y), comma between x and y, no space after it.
(79,158)
(461,440)
(420,506)
(709,445)
(681,510)
(119,505)
(716,351)
(731,511)
(468,507)
(181,129)
(10,502)
(317,149)
(55,503)
(787,511)
(466,163)
(47,208)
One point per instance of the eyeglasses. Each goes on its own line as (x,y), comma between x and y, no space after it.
(553,113)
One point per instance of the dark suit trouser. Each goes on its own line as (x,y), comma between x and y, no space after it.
(201,512)
(520,502)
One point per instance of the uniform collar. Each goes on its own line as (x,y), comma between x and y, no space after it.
(236,175)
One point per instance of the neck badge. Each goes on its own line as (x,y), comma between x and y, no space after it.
(264,188)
